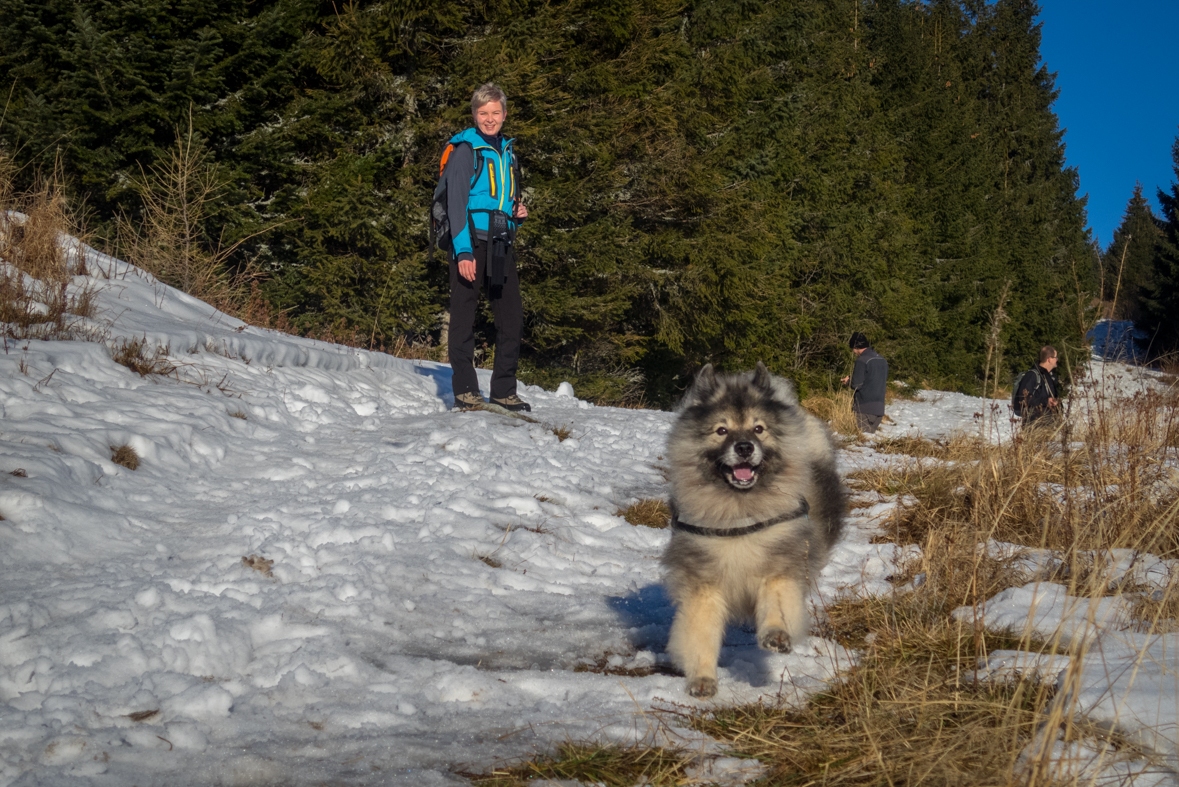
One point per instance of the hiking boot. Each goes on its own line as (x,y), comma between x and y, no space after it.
(465,400)
(513,403)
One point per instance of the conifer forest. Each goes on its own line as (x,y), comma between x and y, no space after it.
(708,180)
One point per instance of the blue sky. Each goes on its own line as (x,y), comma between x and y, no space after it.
(1119,100)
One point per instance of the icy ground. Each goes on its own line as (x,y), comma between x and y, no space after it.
(319,574)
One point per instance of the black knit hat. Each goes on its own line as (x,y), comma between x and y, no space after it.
(858,341)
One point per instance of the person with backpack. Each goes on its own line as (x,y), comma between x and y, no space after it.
(1037,390)
(868,382)
(476,213)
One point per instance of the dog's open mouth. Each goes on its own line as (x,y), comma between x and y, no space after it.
(742,476)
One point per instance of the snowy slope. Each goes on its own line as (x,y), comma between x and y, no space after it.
(135,644)
(439,580)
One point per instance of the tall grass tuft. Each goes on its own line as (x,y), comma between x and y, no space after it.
(38,262)
(834,407)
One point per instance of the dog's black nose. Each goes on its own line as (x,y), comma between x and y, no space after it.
(744,449)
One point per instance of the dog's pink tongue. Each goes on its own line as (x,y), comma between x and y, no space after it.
(743,472)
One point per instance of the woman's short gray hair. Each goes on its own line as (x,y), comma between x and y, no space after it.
(485,94)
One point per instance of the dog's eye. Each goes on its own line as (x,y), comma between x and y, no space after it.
(721,430)
(758,429)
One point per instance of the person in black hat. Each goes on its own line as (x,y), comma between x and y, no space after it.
(867,380)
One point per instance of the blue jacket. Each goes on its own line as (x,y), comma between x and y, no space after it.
(471,196)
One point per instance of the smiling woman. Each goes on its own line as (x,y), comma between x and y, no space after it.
(489,107)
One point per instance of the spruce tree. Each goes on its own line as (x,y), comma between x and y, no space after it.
(1162,297)
(1127,266)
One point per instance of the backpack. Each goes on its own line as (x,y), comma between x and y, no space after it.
(439,220)
(1016,404)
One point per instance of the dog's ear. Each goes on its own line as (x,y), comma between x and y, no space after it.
(705,379)
(784,391)
(704,385)
(779,388)
(762,378)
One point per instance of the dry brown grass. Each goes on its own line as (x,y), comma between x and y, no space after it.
(835,408)
(652,512)
(262,565)
(170,240)
(38,296)
(137,356)
(1156,612)
(914,445)
(1098,485)
(613,766)
(905,715)
(126,456)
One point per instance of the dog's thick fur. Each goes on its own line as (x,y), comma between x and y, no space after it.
(742,452)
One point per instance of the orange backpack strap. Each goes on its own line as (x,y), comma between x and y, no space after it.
(445,157)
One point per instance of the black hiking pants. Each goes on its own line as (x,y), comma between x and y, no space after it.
(509,327)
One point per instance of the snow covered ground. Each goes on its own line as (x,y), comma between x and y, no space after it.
(318,573)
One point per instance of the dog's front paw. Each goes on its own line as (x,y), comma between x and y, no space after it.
(774,639)
(702,687)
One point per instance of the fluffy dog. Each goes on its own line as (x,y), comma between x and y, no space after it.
(756,507)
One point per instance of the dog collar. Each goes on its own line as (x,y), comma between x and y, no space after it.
(725,532)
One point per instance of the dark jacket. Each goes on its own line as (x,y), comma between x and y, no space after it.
(868,383)
(1032,394)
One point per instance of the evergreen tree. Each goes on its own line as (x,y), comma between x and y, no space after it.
(1035,221)
(1127,267)
(1162,301)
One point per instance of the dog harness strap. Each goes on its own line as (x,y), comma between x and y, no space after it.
(723,532)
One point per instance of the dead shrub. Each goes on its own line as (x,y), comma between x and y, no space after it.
(38,296)
(126,456)
(136,356)
(170,240)
(652,512)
